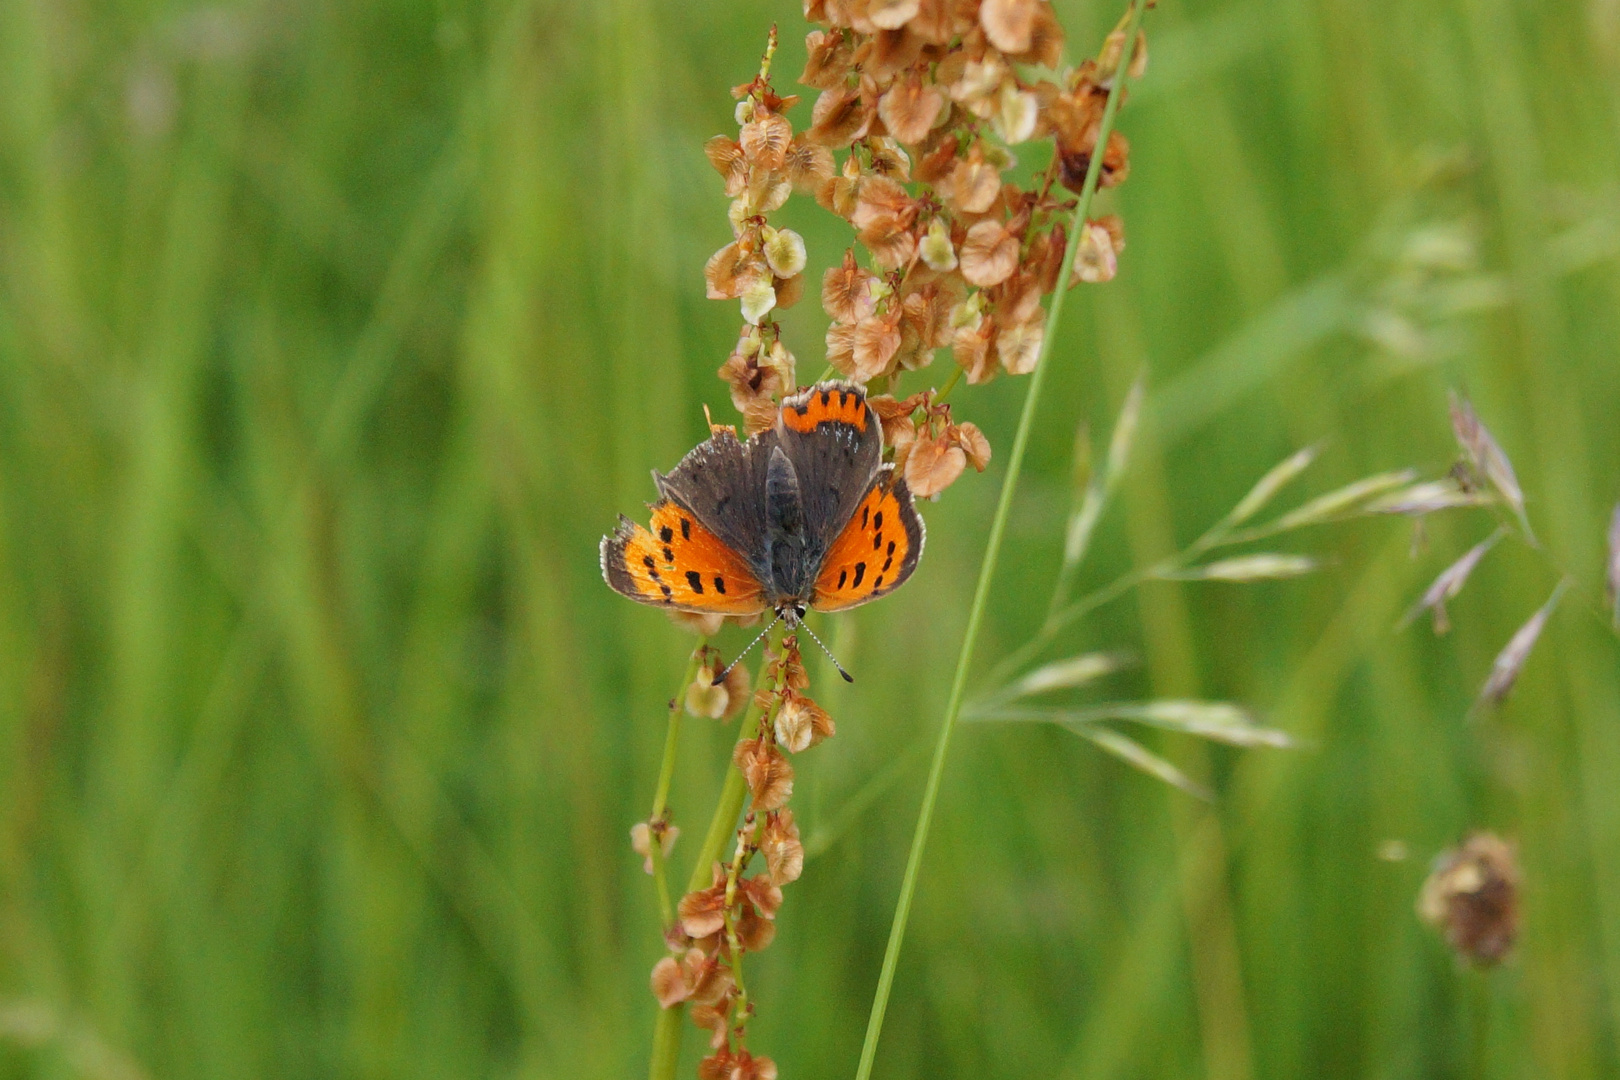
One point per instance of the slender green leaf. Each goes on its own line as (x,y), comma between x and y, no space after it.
(1135,754)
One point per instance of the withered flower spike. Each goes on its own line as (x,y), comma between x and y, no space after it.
(1472,897)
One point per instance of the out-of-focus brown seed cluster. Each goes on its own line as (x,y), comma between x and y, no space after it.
(736,913)
(919,105)
(1472,897)
(763,267)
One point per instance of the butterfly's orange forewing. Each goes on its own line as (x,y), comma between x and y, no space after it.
(679,564)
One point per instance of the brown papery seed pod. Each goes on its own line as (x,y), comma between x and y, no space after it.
(910,108)
(1472,897)
(765,140)
(933,465)
(989,255)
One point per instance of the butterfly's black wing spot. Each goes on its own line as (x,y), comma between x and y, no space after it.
(860,572)
(695,579)
(877,520)
(686,529)
(877,541)
(669,554)
(666,534)
(843,575)
(878,584)
(647,561)
(719,584)
(866,512)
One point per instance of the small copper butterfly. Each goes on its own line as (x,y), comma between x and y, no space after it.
(804,515)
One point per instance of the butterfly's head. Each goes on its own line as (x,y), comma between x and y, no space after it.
(792,613)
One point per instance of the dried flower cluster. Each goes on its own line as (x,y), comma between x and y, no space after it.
(736,914)
(1472,897)
(763,267)
(909,141)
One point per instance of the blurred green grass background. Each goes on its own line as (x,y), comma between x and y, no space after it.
(332,337)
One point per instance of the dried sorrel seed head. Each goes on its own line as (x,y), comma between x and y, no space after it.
(784,854)
(801,723)
(1472,897)
(908,140)
(704,698)
(769,775)
(641,840)
(726,1064)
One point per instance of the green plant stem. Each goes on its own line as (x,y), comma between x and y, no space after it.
(666,774)
(987,569)
(668,1029)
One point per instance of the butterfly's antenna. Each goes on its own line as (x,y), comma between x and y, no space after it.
(721,676)
(847,676)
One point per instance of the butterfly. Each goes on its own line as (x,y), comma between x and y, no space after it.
(803,515)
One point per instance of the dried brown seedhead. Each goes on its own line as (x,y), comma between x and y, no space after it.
(1472,897)
(779,844)
(769,775)
(801,723)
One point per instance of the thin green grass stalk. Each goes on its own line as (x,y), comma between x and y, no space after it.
(987,569)
(666,1049)
(666,774)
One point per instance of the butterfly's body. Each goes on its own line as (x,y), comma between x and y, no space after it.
(803,515)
